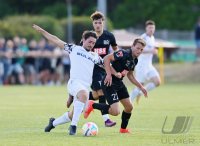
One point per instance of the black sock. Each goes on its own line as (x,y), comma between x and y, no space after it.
(91,96)
(102,99)
(125,119)
(102,107)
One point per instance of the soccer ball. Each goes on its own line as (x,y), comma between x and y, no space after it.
(90,129)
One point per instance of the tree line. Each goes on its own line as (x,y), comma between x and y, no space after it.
(176,14)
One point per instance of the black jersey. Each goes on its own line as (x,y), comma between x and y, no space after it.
(103,43)
(124,61)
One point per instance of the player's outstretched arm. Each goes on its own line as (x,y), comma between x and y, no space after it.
(54,39)
(134,81)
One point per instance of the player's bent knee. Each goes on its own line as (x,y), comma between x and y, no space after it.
(129,108)
(115,112)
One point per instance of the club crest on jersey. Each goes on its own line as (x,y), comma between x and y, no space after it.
(119,54)
(106,42)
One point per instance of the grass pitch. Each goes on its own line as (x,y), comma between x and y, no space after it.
(25,110)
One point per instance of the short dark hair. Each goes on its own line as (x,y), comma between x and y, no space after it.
(97,15)
(89,33)
(139,40)
(149,22)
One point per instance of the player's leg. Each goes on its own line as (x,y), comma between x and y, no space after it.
(128,107)
(126,114)
(69,101)
(79,103)
(140,75)
(65,118)
(93,95)
(111,108)
(98,94)
(107,120)
(153,81)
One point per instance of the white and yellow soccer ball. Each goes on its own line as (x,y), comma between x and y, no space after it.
(90,129)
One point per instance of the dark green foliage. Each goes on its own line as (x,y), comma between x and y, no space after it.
(80,24)
(22,26)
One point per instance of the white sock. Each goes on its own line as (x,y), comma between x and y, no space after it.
(61,120)
(150,86)
(135,92)
(78,108)
(105,117)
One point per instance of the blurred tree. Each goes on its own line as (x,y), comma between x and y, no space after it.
(5,9)
(22,26)
(58,10)
(168,14)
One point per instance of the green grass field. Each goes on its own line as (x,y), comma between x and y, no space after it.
(25,110)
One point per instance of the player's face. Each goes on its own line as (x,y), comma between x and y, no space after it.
(98,25)
(137,49)
(89,43)
(150,29)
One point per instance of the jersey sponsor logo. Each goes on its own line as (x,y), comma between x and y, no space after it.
(100,51)
(87,57)
(119,54)
(106,42)
(98,61)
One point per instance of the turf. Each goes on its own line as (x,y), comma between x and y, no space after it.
(24,112)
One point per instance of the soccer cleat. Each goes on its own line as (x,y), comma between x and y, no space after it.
(88,109)
(69,101)
(72,130)
(124,130)
(50,126)
(109,123)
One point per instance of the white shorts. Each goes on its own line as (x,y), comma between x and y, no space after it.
(144,74)
(74,86)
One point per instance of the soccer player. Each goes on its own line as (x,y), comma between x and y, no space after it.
(124,62)
(104,41)
(145,72)
(82,61)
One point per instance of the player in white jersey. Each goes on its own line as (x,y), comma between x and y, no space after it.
(82,62)
(145,72)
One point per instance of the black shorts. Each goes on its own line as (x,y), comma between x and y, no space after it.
(98,75)
(116,92)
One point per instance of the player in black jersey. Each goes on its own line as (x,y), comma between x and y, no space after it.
(103,43)
(124,62)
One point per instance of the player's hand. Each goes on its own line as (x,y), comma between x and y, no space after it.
(144,91)
(36,27)
(124,72)
(108,80)
(118,75)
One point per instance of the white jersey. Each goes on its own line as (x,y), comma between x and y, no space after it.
(144,70)
(145,59)
(82,63)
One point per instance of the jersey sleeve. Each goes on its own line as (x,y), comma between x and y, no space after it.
(118,55)
(112,40)
(68,47)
